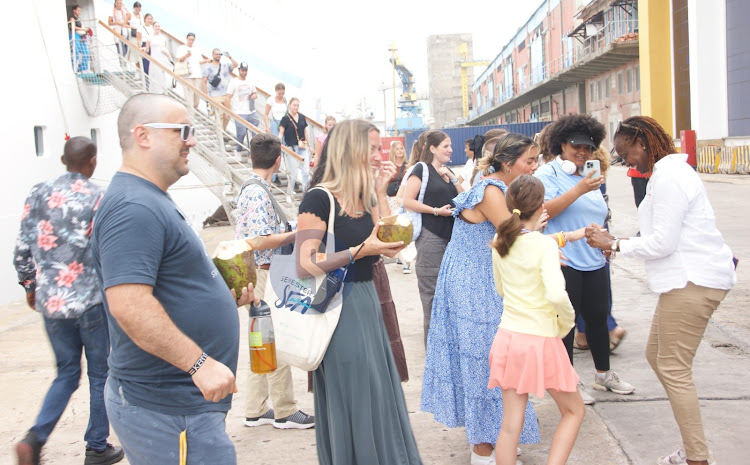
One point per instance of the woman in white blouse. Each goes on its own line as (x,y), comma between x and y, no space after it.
(687,263)
(157,46)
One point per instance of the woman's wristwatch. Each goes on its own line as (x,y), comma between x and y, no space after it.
(454,181)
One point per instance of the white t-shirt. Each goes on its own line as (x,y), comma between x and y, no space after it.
(194,59)
(278,110)
(135,22)
(146,32)
(241,91)
(466,172)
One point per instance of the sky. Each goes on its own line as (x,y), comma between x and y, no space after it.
(338,48)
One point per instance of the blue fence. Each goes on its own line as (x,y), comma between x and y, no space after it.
(459,135)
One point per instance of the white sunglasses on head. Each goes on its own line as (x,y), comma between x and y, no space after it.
(186,130)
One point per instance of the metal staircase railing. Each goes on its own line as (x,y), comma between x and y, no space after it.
(110,80)
(315,127)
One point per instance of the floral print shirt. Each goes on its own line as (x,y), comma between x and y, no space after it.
(52,254)
(255,216)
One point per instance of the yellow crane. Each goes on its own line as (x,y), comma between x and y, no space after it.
(465,64)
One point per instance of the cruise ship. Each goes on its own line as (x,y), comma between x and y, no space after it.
(52,101)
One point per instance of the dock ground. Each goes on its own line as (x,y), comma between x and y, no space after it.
(617,430)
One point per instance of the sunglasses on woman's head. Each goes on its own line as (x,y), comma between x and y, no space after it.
(630,127)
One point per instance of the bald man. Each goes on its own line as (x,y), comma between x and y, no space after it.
(54,265)
(173,322)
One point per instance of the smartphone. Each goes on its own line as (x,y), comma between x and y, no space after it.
(328,289)
(592,165)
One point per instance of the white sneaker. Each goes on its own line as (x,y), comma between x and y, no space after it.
(585,396)
(611,381)
(407,269)
(477,459)
(678,457)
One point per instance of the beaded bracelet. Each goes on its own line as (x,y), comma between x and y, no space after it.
(198,364)
(561,239)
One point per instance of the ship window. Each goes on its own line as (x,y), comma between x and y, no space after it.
(39,140)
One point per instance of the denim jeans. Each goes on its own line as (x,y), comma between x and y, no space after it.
(149,437)
(293,167)
(274,126)
(69,337)
(241,130)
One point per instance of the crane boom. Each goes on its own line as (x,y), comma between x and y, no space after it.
(465,64)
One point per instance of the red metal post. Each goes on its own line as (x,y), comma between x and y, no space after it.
(688,145)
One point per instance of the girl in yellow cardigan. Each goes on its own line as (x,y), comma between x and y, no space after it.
(528,355)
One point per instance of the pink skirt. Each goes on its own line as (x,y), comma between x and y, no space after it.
(530,364)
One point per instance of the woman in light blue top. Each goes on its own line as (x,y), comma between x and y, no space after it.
(574,201)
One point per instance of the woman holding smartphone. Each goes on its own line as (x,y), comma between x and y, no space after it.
(573,201)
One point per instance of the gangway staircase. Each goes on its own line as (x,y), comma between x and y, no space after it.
(111,80)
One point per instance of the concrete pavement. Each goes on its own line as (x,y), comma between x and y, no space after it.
(618,430)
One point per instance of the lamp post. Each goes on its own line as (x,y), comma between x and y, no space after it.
(393,50)
(384,89)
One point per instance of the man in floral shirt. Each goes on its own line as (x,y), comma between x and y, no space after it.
(54,264)
(257,218)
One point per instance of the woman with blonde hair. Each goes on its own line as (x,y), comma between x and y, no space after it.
(397,155)
(467,307)
(360,410)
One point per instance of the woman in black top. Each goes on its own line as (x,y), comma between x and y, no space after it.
(379,273)
(79,48)
(293,134)
(360,410)
(437,214)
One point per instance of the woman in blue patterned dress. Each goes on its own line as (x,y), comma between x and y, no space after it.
(467,308)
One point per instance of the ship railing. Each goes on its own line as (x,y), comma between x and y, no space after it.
(315,127)
(110,79)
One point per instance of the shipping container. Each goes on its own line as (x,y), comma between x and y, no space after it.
(460,135)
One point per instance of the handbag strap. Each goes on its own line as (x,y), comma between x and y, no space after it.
(400,175)
(277,208)
(425,180)
(331,218)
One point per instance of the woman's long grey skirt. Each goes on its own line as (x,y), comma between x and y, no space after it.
(360,411)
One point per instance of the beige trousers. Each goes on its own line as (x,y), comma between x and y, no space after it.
(679,322)
(191,97)
(277,385)
(218,114)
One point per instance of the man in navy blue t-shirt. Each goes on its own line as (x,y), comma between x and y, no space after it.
(173,322)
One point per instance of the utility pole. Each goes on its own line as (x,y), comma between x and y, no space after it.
(393,69)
